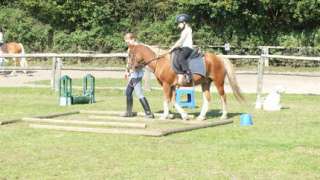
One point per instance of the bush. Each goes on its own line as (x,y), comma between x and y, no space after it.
(21,28)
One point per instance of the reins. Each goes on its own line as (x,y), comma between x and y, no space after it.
(155,59)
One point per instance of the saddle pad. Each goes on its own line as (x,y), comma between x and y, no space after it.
(196,65)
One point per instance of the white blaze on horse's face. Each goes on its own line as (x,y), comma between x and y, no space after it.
(129,41)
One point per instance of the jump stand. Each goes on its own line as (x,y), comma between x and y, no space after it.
(189,93)
(65,91)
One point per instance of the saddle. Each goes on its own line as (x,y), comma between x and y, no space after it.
(195,62)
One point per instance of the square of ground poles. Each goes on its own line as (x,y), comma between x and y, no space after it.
(109,122)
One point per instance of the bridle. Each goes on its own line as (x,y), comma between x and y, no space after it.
(145,63)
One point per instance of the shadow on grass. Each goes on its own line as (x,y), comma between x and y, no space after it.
(211,114)
(7,73)
(216,113)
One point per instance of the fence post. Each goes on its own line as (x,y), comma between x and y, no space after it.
(265,51)
(53,73)
(58,73)
(260,81)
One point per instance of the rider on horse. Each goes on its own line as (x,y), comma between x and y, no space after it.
(135,76)
(184,46)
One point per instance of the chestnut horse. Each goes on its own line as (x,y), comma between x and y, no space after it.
(217,69)
(14,48)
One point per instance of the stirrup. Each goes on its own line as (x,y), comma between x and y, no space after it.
(188,78)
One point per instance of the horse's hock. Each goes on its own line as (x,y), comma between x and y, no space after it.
(109,122)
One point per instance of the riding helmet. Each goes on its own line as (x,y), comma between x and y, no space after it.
(182,18)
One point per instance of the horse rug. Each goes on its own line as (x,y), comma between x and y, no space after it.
(195,62)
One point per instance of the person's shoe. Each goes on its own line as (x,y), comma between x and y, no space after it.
(149,115)
(128,114)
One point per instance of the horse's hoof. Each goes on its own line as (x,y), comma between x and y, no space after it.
(163,117)
(201,118)
(185,117)
(224,117)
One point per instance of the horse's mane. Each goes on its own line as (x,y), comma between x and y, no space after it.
(155,49)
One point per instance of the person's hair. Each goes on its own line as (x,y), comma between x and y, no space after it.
(130,36)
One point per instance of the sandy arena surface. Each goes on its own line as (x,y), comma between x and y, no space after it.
(300,84)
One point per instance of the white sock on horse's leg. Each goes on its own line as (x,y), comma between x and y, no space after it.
(224,107)
(204,108)
(165,114)
(183,114)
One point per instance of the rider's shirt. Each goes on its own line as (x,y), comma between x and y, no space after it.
(185,38)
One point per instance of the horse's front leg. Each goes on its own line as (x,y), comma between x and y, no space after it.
(166,100)
(184,115)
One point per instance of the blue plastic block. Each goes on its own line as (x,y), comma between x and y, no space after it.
(186,92)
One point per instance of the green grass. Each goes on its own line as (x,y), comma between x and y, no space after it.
(280,145)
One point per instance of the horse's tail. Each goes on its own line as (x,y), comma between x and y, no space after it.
(233,80)
(22,48)
(22,52)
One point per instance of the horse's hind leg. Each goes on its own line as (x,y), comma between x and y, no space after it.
(223,98)
(23,64)
(206,100)
(14,72)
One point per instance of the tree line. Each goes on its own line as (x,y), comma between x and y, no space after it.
(99,25)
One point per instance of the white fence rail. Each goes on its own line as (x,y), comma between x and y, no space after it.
(64,55)
(57,63)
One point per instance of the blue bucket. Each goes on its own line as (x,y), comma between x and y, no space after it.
(246,120)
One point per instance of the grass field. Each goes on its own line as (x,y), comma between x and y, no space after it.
(280,145)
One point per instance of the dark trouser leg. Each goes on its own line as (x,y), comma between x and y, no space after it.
(129,101)
(182,57)
(146,107)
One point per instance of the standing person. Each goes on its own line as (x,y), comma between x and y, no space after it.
(184,46)
(134,84)
(1,43)
(1,37)
(226,48)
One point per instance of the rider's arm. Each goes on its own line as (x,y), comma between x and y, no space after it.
(180,41)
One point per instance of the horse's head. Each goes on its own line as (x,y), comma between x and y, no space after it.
(139,55)
(135,56)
